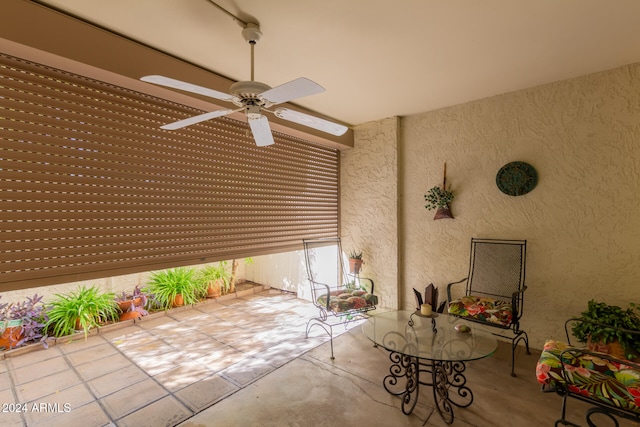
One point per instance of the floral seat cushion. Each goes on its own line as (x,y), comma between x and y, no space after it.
(484,309)
(611,382)
(343,300)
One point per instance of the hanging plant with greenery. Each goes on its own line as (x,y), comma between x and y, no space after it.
(438,198)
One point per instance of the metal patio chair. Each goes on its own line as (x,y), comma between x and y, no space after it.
(494,289)
(339,295)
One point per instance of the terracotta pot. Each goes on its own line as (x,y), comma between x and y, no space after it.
(178,301)
(613,348)
(214,290)
(128,315)
(355,265)
(11,334)
(126,305)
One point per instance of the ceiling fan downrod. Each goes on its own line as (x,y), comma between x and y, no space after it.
(252,34)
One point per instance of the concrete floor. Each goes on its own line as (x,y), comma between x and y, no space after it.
(245,362)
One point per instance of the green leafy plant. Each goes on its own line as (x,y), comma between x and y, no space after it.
(83,309)
(213,272)
(166,284)
(607,323)
(353,254)
(438,197)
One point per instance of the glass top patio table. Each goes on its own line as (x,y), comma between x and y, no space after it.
(413,335)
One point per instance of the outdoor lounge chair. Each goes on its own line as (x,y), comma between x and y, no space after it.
(339,295)
(494,289)
(609,381)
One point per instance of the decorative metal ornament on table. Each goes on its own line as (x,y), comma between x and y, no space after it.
(516,178)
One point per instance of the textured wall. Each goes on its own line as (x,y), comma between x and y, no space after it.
(369,205)
(582,221)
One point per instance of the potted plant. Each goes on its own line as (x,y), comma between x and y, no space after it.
(132,305)
(22,323)
(438,198)
(602,327)
(174,287)
(355,262)
(215,278)
(82,309)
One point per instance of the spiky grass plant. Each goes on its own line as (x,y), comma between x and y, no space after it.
(83,309)
(166,284)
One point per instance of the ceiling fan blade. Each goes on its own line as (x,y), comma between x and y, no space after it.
(297,88)
(197,119)
(188,87)
(311,121)
(261,131)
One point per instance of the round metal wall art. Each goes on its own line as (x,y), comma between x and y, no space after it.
(516,178)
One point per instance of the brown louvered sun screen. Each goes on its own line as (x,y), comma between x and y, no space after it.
(91,187)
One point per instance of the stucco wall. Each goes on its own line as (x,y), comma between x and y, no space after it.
(369,205)
(582,221)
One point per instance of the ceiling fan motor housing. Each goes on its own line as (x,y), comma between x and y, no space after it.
(249,92)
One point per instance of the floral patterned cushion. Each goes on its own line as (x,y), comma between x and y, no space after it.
(343,300)
(484,309)
(611,382)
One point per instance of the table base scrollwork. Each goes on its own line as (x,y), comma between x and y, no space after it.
(446,379)
(403,367)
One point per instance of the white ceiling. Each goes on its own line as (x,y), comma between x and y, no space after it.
(383,58)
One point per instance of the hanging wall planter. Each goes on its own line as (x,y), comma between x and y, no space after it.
(438,198)
(443,212)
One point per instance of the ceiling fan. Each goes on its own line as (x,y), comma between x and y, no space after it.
(254,98)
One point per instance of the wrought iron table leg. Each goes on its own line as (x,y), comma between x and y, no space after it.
(408,368)
(449,388)
(447,380)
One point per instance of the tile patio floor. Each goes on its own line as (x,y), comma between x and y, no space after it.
(246,362)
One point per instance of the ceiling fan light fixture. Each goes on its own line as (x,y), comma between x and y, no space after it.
(253,111)
(311,121)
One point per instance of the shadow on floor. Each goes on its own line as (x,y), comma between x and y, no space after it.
(246,362)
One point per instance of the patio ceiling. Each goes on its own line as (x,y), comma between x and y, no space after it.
(378,58)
